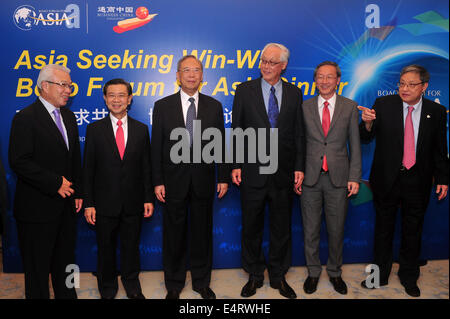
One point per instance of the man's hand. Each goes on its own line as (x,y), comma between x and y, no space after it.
(65,190)
(222,189)
(236,176)
(78,204)
(352,188)
(160,192)
(368,116)
(442,191)
(298,180)
(89,214)
(148,209)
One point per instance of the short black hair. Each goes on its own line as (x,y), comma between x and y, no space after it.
(117,81)
(331,63)
(423,73)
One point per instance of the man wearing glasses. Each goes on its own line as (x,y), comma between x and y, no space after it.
(332,175)
(411,152)
(271,104)
(44,152)
(187,188)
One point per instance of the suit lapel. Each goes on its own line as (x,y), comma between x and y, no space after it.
(178,111)
(337,112)
(69,128)
(314,114)
(48,122)
(108,132)
(260,105)
(131,137)
(424,124)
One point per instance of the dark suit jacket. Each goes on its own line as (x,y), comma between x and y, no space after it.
(388,129)
(39,156)
(249,111)
(111,183)
(177,178)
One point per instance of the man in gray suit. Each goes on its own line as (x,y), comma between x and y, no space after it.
(332,173)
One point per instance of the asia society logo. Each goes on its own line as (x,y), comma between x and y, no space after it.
(27,17)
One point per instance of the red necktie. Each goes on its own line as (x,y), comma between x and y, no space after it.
(409,152)
(120,139)
(325,127)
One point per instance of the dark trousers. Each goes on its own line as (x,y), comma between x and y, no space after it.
(178,214)
(253,203)
(48,248)
(128,228)
(410,196)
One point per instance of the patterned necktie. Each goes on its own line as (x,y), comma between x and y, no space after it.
(190,117)
(325,127)
(57,115)
(409,152)
(120,139)
(273,111)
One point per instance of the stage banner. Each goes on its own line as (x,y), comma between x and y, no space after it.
(141,41)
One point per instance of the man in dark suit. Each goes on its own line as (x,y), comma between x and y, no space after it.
(44,152)
(118,189)
(3,196)
(187,186)
(411,152)
(332,175)
(271,104)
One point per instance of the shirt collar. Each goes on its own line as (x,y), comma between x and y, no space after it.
(115,120)
(185,97)
(50,108)
(331,101)
(417,106)
(266,85)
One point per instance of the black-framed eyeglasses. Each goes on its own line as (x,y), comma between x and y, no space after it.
(408,85)
(63,85)
(271,63)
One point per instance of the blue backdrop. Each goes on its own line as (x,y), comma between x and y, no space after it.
(371,41)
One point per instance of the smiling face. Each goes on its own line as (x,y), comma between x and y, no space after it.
(272,74)
(327,80)
(117,100)
(55,94)
(412,92)
(190,75)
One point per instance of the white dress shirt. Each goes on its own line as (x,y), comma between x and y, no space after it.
(331,106)
(124,126)
(185,103)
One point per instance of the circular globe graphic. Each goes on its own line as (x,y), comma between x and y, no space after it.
(22,17)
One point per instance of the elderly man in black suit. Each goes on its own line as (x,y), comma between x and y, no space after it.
(117,188)
(410,153)
(187,188)
(44,152)
(269,103)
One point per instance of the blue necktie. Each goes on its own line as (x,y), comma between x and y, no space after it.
(273,108)
(190,117)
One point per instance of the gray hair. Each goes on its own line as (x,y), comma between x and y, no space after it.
(46,73)
(423,73)
(189,56)
(338,70)
(284,57)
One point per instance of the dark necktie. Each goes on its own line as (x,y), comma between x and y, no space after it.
(190,117)
(273,108)
(325,127)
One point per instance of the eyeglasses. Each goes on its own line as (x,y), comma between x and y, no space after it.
(323,78)
(408,85)
(187,70)
(271,63)
(63,85)
(119,96)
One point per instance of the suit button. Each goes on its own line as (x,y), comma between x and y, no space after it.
(321,157)
(325,144)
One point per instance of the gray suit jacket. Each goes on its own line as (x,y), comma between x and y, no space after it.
(344,163)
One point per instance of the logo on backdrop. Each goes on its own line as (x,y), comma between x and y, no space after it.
(26,17)
(127,18)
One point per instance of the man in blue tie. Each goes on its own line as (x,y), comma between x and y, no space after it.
(271,104)
(44,152)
